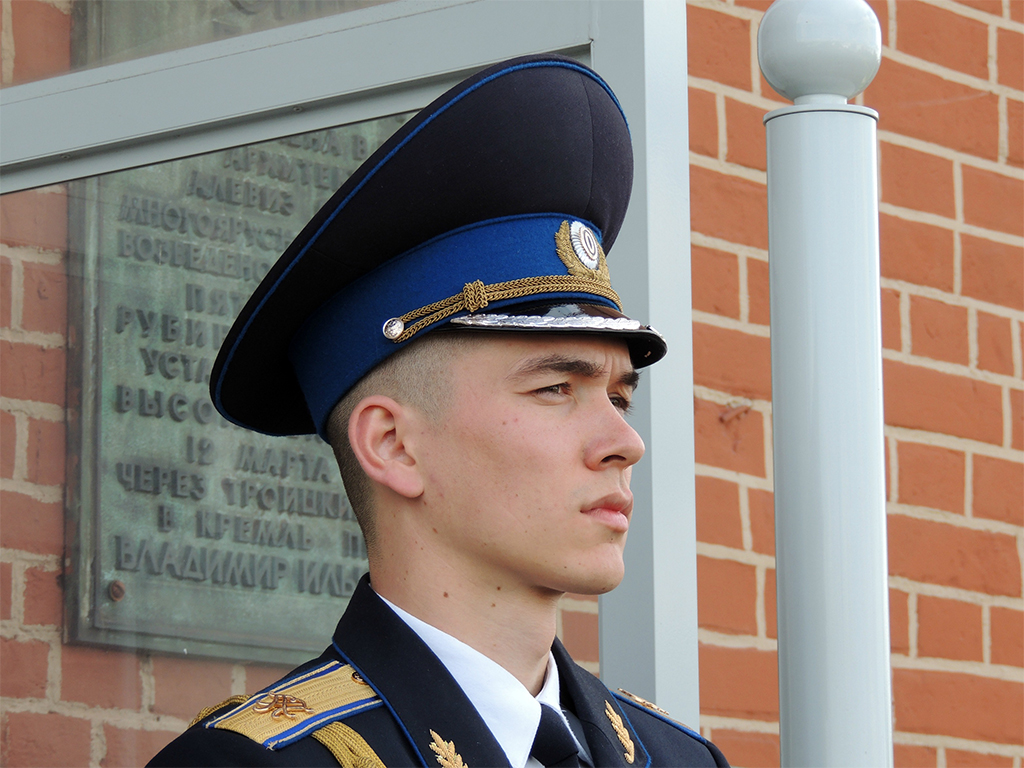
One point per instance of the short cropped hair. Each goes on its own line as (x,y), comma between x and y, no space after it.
(419,375)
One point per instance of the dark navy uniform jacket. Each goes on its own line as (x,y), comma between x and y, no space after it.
(380,681)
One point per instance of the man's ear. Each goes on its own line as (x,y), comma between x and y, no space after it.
(377,431)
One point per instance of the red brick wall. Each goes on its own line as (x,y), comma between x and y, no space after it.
(952,219)
(951,136)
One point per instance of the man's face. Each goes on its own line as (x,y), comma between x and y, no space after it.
(527,473)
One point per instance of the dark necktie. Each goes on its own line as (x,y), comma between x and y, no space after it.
(553,745)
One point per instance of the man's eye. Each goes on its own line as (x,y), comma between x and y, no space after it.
(554,389)
(622,403)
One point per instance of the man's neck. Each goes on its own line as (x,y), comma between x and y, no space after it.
(514,627)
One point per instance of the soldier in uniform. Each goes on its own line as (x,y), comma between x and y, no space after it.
(448,324)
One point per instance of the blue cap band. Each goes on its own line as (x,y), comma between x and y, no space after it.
(344,339)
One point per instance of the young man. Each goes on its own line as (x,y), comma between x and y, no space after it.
(447,322)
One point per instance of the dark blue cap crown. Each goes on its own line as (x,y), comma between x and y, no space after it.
(491,209)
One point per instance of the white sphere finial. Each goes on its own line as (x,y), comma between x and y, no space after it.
(819,50)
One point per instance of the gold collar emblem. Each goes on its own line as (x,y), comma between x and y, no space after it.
(279,705)
(621,732)
(445,753)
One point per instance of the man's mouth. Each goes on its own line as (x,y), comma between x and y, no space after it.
(613,511)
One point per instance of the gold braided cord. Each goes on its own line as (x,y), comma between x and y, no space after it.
(347,746)
(476,296)
(232,702)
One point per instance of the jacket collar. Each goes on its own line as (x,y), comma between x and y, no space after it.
(589,698)
(412,682)
(423,696)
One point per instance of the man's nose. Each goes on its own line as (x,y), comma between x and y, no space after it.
(615,443)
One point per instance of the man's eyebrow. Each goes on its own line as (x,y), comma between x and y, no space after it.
(576,366)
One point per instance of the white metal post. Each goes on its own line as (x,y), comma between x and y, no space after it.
(834,668)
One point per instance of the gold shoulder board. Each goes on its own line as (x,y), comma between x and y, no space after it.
(207,711)
(292,709)
(642,702)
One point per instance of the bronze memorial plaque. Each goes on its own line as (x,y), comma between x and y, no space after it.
(190,534)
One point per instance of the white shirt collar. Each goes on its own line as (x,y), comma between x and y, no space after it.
(504,704)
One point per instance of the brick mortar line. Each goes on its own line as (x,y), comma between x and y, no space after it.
(1003,131)
(953,369)
(7,44)
(17,596)
(31,633)
(911,587)
(905,329)
(728,169)
(894,508)
(1018,349)
(755,68)
(721,134)
(572,605)
(959,300)
(737,249)
(1007,406)
(724,321)
(746,557)
(744,288)
(48,494)
(746,531)
(31,559)
(739,724)
(949,75)
(17,294)
(238,679)
(26,254)
(133,719)
(97,744)
(912,628)
(954,443)
(768,449)
(986,634)
(969,481)
(948,153)
(943,222)
(721,397)
(751,98)
(958,251)
(49,568)
(893,467)
(64,6)
(974,668)
(60,188)
(34,409)
(890,22)
(736,11)
(910,738)
(725,640)
(19,470)
(760,614)
(741,479)
(147,683)
(33,338)
(982,16)
(958,209)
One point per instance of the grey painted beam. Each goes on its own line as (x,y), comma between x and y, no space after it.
(648,626)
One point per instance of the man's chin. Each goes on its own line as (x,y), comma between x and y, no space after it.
(597,582)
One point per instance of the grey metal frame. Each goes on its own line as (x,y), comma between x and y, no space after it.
(295,79)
